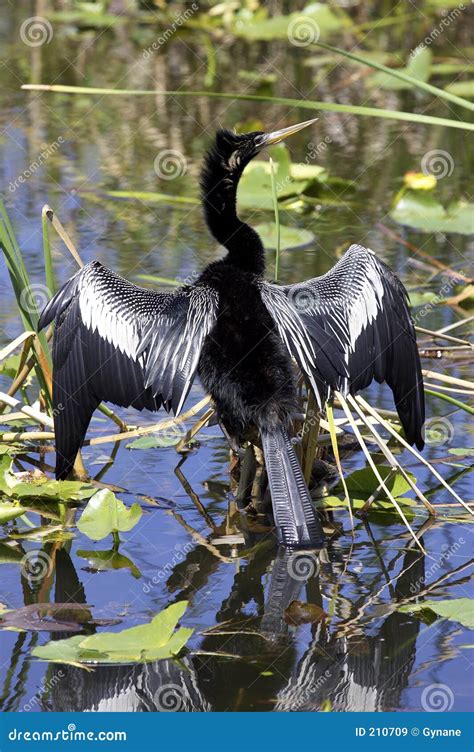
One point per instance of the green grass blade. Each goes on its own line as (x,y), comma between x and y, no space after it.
(277,218)
(441,93)
(451,400)
(410,117)
(48,260)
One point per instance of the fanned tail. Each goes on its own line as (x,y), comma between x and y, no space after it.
(296,521)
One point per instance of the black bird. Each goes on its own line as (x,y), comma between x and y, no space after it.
(118,342)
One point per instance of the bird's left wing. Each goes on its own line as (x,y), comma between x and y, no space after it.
(357,319)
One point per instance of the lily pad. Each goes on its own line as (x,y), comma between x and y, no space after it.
(457,609)
(159,441)
(423,212)
(39,486)
(147,642)
(291,238)
(364,482)
(105,514)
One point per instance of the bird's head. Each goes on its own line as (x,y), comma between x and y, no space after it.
(233,151)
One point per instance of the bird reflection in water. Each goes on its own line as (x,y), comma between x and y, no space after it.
(250,660)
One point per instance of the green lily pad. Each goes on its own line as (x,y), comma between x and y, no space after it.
(423,212)
(147,642)
(291,238)
(364,482)
(418,66)
(40,487)
(160,440)
(105,514)
(457,609)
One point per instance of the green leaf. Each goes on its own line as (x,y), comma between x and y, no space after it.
(40,487)
(9,511)
(462,89)
(316,18)
(423,212)
(466,452)
(419,67)
(364,482)
(457,609)
(151,442)
(291,238)
(146,642)
(105,514)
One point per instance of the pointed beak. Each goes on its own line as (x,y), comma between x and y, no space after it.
(276,136)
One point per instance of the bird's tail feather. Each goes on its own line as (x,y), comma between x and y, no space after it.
(296,521)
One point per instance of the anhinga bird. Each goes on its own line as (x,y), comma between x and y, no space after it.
(124,344)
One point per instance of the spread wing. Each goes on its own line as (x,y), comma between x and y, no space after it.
(118,342)
(357,319)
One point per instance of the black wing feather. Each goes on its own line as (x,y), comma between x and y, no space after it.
(108,340)
(358,320)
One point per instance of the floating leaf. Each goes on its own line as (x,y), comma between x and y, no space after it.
(105,514)
(147,642)
(457,609)
(291,238)
(299,612)
(364,482)
(423,212)
(40,486)
(460,452)
(166,439)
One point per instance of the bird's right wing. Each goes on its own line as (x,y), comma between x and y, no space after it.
(121,343)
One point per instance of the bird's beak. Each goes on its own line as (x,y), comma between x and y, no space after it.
(267,139)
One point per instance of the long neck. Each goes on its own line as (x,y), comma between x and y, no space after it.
(219,197)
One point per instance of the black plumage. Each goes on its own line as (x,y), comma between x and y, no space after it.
(117,342)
